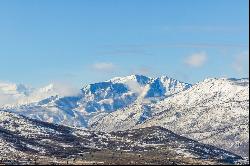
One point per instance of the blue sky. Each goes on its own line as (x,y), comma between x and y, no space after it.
(83,41)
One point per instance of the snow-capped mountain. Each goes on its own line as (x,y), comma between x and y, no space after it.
(122,91)
(215,111)
(29,141)
(99,99)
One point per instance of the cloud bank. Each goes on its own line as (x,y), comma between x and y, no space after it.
(11,94)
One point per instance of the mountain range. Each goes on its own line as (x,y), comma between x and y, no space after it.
(214,111)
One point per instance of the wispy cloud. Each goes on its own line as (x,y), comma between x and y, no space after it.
(146,49)
(206,28)
(8,93)
(196,59)
(7,99)
(12,94)
(104,67)
(136,49)
(124,50)
(65,89)
(241,62)
(202,45)
(135,87)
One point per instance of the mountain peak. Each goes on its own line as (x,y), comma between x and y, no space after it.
(138,78)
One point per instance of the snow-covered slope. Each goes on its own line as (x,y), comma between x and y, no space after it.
(28,141)
(99,99)
(215,111)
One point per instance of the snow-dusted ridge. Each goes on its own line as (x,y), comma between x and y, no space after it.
(214,111)
(99,99)
(26,140)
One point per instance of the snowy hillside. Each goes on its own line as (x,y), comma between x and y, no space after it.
(215,111)
(30,141)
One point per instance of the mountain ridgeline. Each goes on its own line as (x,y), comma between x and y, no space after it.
(214,111)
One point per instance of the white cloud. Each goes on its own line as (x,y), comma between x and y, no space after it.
(11,94)
(241,62)
(65,89)
(139,90)
(57,88)
(7,99)
(196,60)
(104,67)
(135,87)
